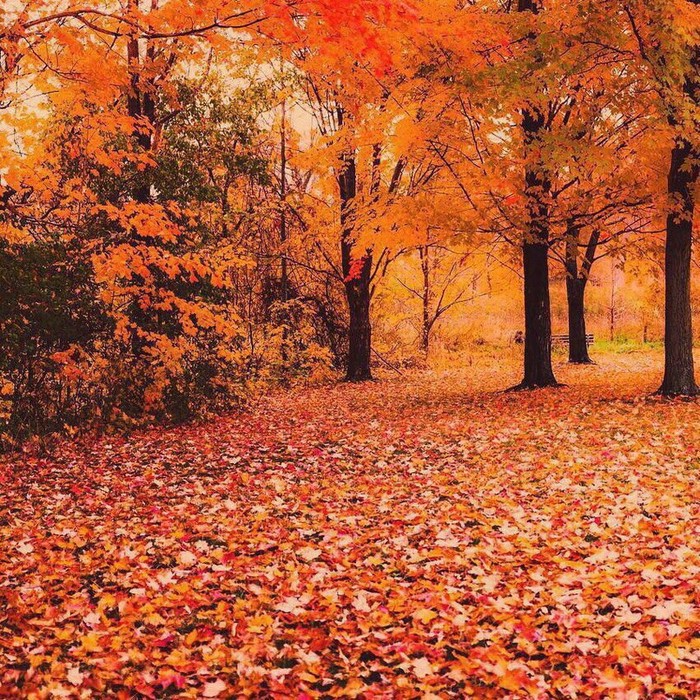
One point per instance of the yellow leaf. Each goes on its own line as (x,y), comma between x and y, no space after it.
(90,642)
(424,615)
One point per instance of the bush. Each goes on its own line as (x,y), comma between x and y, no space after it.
(50,322)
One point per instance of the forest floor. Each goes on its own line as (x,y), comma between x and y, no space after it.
(420,536)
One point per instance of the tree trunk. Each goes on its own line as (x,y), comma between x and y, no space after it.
(284,277)
(360,330)
(140,106)
(538,325)
(578,348)
(575,292)
(356,277)
(679,375)
(612,309)
(538,322)
(426,325)
(538,319)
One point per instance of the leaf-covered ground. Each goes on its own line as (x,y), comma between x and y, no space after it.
(409,538)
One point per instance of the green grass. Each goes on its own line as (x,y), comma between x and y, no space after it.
(624,345)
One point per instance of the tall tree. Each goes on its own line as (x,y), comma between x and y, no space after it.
(679,371)
(666,35)
(538,370)
(357,272)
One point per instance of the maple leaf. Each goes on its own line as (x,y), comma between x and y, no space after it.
(360,602)
(422,667)
(74,676)
(292,605)
(424,615)
(92,619)
(309,553)
(164,641)
(668,609)
(90,642)
(187,558)
(173,679)
(213,689)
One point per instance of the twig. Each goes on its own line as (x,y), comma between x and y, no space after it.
(387,363)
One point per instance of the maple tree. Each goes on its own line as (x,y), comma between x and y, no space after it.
(604,198)
(666,37)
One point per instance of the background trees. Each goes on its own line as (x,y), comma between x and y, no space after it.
(194,196)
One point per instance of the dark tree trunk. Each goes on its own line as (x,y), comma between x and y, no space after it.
(360,330)
(538,322)
(356,277)
(578,347)
(679,375)
(140,106)
(576,282)
(538,325)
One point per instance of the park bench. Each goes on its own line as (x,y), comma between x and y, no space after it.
(563,339)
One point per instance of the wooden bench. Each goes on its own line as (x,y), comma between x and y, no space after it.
(564,339)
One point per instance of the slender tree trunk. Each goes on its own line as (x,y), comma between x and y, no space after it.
(612,309)
(578,347)
(538,322)
(135,106)
(679,374)
(284,276)
(360,331)
(140,106)
(356,274)
(575,294)
(426,325)
(284,281)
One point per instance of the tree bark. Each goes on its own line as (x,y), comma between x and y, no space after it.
(140,107)
(538,322)
(576,281)
(356,278)
(578,347)
(426,323)
(679,374)
(360,329)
